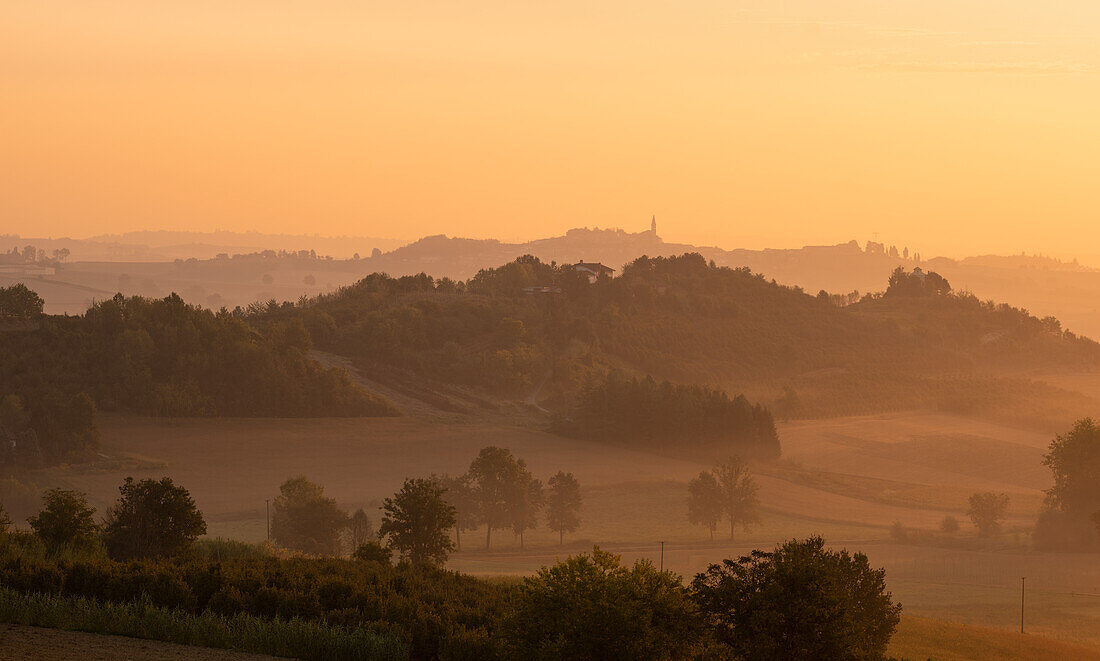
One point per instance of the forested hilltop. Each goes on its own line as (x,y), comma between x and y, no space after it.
(157,357)
(688,321)
(544,333)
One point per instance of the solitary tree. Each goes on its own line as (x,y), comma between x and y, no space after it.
(460,495)
(527,501)
(739,499)
(497,478)
(563,504)
(593,607)
(1067,521)
(360,528)
(705,502)
(65,521)
(949,525)
(152,519)
(416,522)
(305,519)
(987,510)
(799,601)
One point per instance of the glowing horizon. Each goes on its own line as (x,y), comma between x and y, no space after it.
(960,128)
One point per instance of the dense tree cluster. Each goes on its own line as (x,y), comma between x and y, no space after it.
(46,427)
(917,283)
(645,413)
(161,357)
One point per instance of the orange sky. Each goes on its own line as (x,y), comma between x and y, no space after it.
(954,126)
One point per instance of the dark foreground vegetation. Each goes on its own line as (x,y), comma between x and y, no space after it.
(141,619)
(142,573)
(798,601)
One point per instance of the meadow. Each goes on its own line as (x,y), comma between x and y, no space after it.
(848,479)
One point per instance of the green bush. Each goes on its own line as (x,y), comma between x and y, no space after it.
(430,611)
(141,619)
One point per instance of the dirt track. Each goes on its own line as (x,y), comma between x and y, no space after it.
(19,642)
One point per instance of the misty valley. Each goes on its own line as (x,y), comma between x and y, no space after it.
(671,459)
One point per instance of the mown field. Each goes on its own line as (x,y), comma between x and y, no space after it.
(920,638)
(848,479)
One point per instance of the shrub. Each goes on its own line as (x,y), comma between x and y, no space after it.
(593,607)
(373,552)
(65,521)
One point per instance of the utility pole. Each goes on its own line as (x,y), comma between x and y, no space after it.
(1022,579)
(662,556)
(267,502)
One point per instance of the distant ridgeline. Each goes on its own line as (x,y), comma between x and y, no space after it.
(166,358)
(530,325)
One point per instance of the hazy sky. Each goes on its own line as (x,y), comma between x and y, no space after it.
(954,126)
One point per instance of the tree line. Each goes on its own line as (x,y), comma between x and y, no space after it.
(498,492)
(646,413)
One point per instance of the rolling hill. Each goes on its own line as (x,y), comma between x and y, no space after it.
(689,321)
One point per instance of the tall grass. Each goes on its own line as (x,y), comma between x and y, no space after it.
(277,637)
(228,549)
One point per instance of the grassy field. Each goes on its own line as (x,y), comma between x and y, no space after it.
(868,471)
(920,638)
(848,479)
